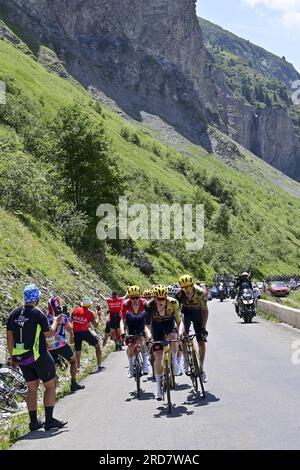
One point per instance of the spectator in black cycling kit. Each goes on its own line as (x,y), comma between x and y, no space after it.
(27,330)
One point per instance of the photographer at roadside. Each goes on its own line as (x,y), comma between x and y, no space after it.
(27,330)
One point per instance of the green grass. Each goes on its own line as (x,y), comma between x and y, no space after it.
(293,300)
(269,317)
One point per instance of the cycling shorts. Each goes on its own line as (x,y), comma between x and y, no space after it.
(80,336)
(66,352)
(161,329)
(115,320)
(43,369)
(195,318)
(135,327)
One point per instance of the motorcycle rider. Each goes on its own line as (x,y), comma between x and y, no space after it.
(243,282)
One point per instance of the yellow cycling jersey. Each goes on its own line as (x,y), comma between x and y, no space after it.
(197,301)
(172,310)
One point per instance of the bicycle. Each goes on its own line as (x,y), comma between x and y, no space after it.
(12,383)
(168,378)
(13,379)
(8,400)
(138,362)
(61,362)
(195,369)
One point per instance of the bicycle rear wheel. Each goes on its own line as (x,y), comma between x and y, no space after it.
(12,378)
(7,401)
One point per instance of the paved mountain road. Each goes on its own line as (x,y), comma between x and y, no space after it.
(253,398)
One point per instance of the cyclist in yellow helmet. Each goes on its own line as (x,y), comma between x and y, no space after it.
(133,318)
(193,302)
(148,294)
(163,317)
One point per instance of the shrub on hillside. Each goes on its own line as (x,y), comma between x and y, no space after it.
(82,154)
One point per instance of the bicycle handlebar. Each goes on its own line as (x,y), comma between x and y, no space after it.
(164,342)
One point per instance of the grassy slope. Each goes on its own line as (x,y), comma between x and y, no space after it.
(51,92)
(262,60)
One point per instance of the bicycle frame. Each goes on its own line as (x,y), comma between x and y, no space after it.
(138,360)
(168,380)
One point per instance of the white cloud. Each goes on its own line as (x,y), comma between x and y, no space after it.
(280,5)
(291,19)
(290,10)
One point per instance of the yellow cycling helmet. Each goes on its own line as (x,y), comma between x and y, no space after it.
(186,281)
(160,291)
(148,293)
(134,291)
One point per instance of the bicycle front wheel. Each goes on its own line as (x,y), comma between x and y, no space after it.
(167,387)
(138,373)
(199,370)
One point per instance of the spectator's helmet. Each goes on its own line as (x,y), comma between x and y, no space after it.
(31,293)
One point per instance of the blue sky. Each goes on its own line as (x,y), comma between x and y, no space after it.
(272,24)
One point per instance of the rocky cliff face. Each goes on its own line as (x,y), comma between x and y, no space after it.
(266,130)
(146,56)
(149,57)
(274,139)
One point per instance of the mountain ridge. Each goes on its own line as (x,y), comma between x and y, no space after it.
(150,58)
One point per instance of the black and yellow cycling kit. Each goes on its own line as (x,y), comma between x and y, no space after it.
(165,324)
(192,309)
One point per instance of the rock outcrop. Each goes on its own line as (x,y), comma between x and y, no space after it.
(149,58)
(146,56)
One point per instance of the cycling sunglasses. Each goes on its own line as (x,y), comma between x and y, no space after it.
(134,298)
(160,299)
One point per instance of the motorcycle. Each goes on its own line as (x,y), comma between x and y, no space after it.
(232,292)
(222,293)
(247,306)
(214,292)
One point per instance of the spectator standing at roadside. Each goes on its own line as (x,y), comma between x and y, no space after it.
(27,329)
(81,318)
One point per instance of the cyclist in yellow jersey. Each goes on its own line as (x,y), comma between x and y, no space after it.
(163,316)
(193,302)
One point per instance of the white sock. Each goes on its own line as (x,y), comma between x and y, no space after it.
(174,359)
(145,359)
(179,359)
(130,360)
(158,383)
